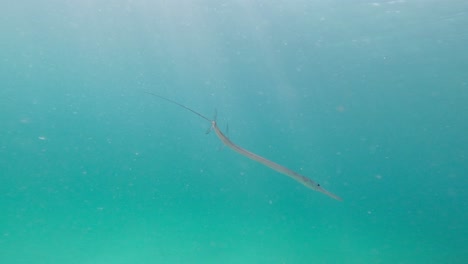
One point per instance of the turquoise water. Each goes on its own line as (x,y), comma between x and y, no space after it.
(366,97)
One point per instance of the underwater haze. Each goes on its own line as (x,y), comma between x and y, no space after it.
(367,98)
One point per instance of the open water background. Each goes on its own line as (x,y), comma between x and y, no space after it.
(369,98)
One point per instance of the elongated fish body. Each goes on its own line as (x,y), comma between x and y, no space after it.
(275,166)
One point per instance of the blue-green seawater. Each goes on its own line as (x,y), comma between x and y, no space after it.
(368,98)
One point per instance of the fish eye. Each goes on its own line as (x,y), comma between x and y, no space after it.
(318,184)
